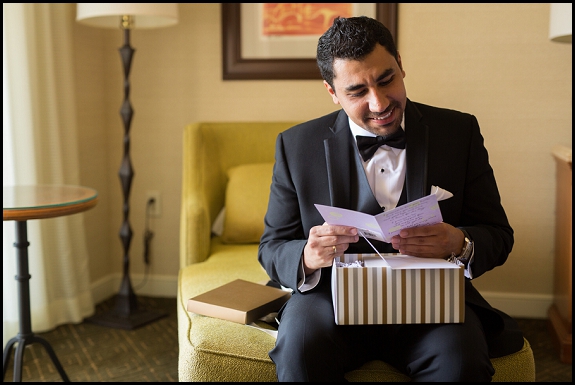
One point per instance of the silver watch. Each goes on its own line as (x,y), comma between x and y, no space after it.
(466,251)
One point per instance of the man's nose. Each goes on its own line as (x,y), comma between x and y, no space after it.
(378,101)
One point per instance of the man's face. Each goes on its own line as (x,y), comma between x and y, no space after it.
(371,91)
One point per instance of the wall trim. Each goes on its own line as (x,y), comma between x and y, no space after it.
(520,305)
(164,286)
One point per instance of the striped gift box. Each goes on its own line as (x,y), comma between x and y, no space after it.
(397,290)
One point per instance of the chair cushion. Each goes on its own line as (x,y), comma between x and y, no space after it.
(247,195)
(212,349)
(515,367)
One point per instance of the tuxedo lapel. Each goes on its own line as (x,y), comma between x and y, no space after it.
(348,185)
(337,153)
(417,136)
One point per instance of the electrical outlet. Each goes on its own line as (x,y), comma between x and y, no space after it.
(154,209)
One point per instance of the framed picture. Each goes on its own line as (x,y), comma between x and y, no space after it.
(273,41)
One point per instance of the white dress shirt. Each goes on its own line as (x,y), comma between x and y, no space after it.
(385,171)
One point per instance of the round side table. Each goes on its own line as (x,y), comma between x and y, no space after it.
(20,204)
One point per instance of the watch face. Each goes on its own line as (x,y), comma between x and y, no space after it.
(466,251)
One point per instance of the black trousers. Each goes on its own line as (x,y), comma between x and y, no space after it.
(311,347)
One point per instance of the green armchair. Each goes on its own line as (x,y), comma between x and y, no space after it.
(229,165)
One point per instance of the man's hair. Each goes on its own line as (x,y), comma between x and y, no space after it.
(351,38)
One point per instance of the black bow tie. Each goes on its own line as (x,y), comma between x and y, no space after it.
(368,145)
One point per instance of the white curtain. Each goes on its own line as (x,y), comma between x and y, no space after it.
(40,147)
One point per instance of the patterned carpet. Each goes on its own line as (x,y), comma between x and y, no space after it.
(90,352)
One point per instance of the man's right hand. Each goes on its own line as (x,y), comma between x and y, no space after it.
(325,243)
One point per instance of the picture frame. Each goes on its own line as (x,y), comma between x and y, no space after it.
(235,67)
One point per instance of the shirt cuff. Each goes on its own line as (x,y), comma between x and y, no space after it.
(468,272)
(309,282)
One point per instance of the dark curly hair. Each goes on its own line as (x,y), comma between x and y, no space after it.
(351,38)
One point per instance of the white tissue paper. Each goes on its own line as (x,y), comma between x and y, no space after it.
(441,193)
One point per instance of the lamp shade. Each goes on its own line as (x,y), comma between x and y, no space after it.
(145,15)
(560,20)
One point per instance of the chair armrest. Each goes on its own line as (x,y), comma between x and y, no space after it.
(195,232)
(199,195)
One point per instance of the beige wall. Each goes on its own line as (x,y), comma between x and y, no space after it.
(494,61)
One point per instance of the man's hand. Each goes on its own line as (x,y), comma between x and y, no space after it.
(320,251)
(433,241)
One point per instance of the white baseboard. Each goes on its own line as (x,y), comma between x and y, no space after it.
(520,305)
(516,305)
(156,286)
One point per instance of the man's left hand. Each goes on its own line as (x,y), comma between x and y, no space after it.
(433,241)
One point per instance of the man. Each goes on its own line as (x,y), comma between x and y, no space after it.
(320,162)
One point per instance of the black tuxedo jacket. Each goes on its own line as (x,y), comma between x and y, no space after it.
(317,162)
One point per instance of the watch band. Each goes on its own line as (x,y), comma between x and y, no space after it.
(466,251)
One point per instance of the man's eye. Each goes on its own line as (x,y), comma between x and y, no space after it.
(386,82)
(358,94)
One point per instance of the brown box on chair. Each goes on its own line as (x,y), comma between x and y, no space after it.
(239,301)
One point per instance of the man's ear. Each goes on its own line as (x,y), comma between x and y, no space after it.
(399,64)
(331,92)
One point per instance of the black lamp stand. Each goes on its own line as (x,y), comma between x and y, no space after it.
(126,314)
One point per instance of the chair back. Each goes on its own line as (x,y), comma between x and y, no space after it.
(210,149)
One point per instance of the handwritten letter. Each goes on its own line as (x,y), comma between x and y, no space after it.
(421,212)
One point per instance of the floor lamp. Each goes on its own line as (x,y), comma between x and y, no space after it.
(126,314)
